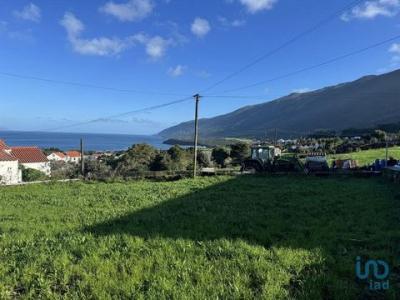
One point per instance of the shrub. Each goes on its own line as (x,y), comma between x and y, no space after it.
(98,170)
(63,170)
(29,175)
(220,155)
(136,159)
(240,152)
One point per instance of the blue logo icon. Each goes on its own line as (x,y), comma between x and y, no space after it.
(375,271)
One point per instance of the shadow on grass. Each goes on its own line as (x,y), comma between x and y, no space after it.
(293,212)
(234,209)
(332,215)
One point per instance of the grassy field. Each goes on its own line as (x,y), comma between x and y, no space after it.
(368,156)
(213,238)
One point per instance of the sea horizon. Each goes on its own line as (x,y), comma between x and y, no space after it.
(71,140)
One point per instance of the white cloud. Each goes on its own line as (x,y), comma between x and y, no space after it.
(301,90)
(30,12)
(394,61)
(395,48)
(254,6)
(372,9)
(176,71)
(200,27)
(203,74)
(133,10)
(155,46)
(97,46)
(72,25)
(231,23)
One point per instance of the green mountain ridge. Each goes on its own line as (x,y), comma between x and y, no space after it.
(365,102)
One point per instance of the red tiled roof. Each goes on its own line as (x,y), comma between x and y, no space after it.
(3,145)
(59,154)
(28,154)
(4,156)
(73,154)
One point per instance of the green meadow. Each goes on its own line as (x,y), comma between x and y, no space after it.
(368,156)
(248,237)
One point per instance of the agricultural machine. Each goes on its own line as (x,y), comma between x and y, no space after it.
(269,159)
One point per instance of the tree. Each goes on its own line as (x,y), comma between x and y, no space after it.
(50,150)
(63,170)
(137,159)
(219,155)
(240,151)
(380,135)
(162,162)
(180,158)
(204,159)
(176,153)
(98,170)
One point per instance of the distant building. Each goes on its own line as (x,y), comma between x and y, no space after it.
(73,156)
(9,170)
(32,158)
(57,156)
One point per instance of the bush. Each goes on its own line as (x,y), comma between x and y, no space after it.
(137,159)
(63,170)
(204,159)
(220,155)
(29,175)
(240,152)
(98,170)
(162,162)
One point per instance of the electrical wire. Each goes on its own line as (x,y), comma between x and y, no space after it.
(113,117)
(327,62)
(86,85)
(284,45)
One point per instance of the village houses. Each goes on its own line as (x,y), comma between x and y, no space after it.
(57,156)
(73,157)
(70,156)
(11,158)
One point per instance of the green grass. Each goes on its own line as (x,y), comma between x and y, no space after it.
(213,238)
(368,156)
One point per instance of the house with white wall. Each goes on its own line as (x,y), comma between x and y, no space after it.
(9,169)
(73,157)
(57,156)
(32,158)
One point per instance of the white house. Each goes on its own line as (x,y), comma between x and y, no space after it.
(73,156)
(57,156)
(13,157)
(32,158)
(9,171)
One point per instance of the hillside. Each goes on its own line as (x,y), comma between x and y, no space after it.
(366,102)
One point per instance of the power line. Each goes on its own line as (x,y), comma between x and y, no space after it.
(235,96)
(86,85)
(146,109)
(327,62)
(113,117)
(284,45)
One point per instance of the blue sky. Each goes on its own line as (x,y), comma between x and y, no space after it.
(175,47)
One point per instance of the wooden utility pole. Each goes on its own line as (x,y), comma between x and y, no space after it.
(387,150)
(196,133)
(82,159)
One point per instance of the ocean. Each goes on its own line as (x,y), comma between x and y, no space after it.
(68,141)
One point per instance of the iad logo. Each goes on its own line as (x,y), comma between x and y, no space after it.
(375,271)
